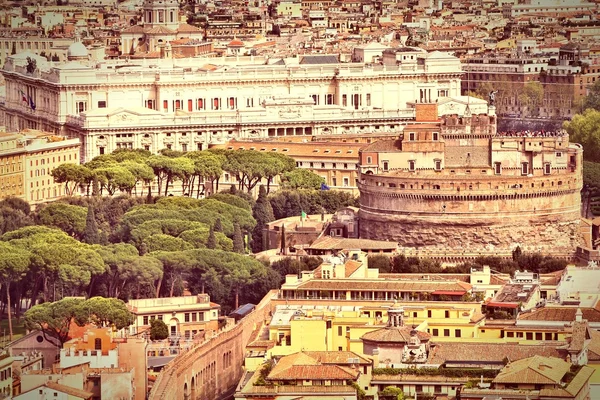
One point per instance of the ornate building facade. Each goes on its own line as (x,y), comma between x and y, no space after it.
(189,104)
(457,185)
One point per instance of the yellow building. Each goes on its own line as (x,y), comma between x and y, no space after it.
(26,160)
(184,315)
(11,166)
(6,380)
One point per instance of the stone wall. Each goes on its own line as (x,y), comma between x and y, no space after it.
(212,368)
(545,234)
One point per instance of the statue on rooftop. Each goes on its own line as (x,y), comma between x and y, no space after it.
(492,97)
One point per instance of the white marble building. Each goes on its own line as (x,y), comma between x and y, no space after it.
(187,104)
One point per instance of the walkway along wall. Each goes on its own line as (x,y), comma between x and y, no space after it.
(213,367)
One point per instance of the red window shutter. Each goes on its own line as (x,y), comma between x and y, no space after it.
(190,105)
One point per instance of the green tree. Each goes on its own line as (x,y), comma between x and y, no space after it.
(262,213)
(591,174)
(14,262)
(115,177)
(277,164)
(301,179)
(218,227)
(393,392)
(71,219)
(91,235)
(211,243)
(54,319)
(168,169)
(381,262)
(107,312)
(592,100)
(140,171)
(207,166)
(532,96)
(72,175)
(158,330)
(250,166)
(238,241)
(585,129)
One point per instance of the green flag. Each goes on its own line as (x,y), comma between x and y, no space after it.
(303,215)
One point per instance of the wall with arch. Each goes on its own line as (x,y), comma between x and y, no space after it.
(212,368)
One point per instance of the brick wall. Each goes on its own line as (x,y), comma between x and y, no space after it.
(426,112)
(205,372)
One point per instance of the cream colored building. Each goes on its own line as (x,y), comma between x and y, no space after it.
(26,161)
(189,104)
(184,315)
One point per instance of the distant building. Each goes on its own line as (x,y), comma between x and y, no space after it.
(26,161)
(537,377)
(184,315)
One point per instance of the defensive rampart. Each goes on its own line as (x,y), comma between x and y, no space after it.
(467,212)
(212,368)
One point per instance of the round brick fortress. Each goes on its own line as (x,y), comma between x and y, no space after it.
(461,208)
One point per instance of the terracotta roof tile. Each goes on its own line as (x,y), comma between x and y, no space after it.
(534,370)
(335,243)
(566,314)
(304,366)
(81,394)
(381,285)
(489,352)
(394,335)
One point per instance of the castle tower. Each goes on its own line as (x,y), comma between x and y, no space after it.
(163,13)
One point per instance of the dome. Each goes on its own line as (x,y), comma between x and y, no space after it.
(77,50)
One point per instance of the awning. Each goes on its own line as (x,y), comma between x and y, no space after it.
(449,292)
(502,305)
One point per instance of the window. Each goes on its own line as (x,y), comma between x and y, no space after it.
(145,320)
(447,332)
(524,168)
(428,313)
(369,160)
(368,99)
(346,182)
(538,336)
(81,106)
(186,317)
(98,344)
(386,166)
(510,334)
(165,105)
(411,165)
(436,136)
(435,332)
(183,147)
(102,104)
(497,168)
(412,136)
(529,335)
(340,330)
(457,333)
(160,317)
(446,314)
(344,100)
(190,105)
(194,317)
(547,168)
(438,165)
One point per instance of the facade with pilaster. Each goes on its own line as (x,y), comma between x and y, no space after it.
(190,104)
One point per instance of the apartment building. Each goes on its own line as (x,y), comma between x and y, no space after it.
(184,315)
(26,160)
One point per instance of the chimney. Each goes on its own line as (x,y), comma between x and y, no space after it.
(579,315)
(375,358)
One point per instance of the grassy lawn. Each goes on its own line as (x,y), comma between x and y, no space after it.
(18,331)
